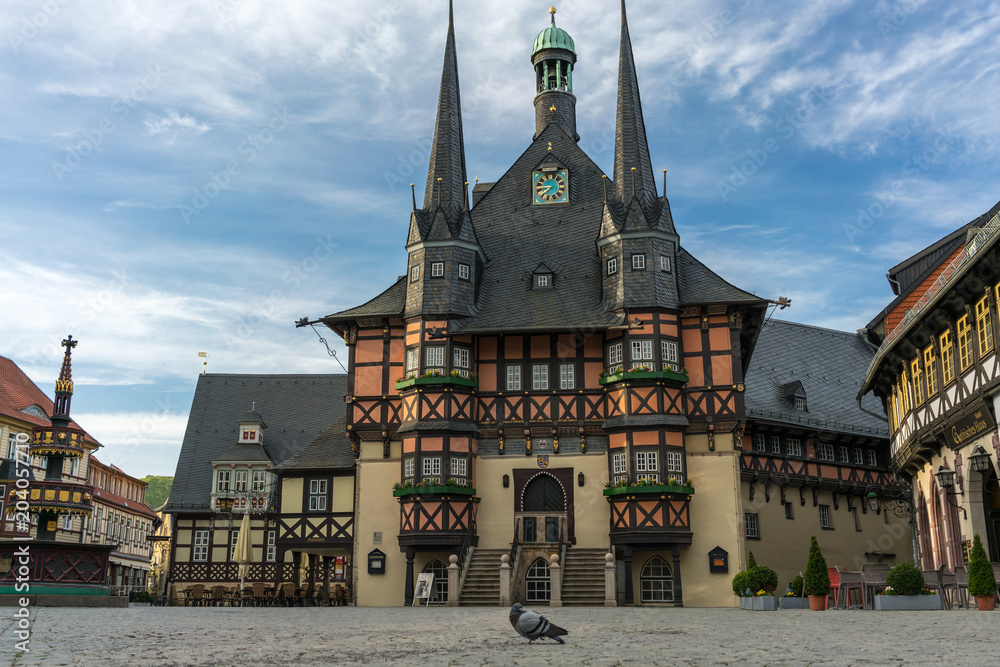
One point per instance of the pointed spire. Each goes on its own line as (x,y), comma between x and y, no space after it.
(446,171)
(64,385)
(631,147)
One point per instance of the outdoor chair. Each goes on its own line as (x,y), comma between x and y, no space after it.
(218,596)
(962,582)
(339,596)
(258,593)
(195,596)
(873,579)
(949,583)
(304,595)
(246,595)
(843,582)
(932,580)
(288,594)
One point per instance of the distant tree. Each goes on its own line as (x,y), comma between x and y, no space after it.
(158,490)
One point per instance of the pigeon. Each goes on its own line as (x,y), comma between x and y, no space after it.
(533,625)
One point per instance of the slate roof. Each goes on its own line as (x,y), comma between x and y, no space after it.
(830,365)
(389,303)
(297,408)
(18,392)
(331,449)
(699,284)
(245,451)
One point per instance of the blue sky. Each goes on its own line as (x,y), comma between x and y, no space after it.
(195,176)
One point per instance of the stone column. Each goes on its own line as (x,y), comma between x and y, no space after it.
(408,587)
(505,580)
(610,581)
(454,595)
(555,582)
(678,588)
(629,594)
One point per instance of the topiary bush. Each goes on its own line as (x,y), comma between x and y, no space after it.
(751,562)
(905,579)
(740,584)
(762,578)
(796,586)
(817,577)
(981,579)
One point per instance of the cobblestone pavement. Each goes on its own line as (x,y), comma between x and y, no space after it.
(483,636)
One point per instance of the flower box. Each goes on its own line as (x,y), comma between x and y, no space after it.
(436,380)
(658,488)
(908,602)
(758,603)
(434,491)
(793,603)
(643,375)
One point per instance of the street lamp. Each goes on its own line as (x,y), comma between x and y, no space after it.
(946,480)
(980,460)
(872,500)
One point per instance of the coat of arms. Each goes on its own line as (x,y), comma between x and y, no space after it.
(543,461)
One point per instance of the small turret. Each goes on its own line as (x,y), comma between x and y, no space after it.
(554,56)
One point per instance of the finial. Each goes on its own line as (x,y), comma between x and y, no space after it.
(552,108)
(451,12)
(624,17)
(550,145)
(65,381)
(477,179)
(552,11)
(664,182)
(413,193)
(465,191)
(204,355)
(604,182)
(439,192)
(633,181)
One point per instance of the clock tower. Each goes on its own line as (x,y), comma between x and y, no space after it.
(554,56)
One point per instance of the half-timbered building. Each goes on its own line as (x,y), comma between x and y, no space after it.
(937,375)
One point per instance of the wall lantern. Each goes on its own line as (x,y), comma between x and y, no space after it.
(980,460)
(506,481)
(946,480)
(872,500)
(579,479)
(376,562)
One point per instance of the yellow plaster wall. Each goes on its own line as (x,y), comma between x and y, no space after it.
(377,510)
(343,494)
(291,495)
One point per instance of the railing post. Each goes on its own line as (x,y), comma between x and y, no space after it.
(555,581)
(505,580)
(610,581)
(454,594)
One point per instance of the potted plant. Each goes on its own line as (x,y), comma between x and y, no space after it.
(756,586)
(982,582)
(792,598)
(817,579)
(906,591)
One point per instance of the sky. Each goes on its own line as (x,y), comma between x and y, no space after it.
(195,176)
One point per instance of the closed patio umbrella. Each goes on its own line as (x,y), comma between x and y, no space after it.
(244,551)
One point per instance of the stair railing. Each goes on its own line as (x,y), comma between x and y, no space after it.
(515,556)
(465,555)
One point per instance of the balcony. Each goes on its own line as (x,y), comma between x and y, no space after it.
(437,381)
(652,515)
(536,529)
(646,376)
(244,502)
(437,516)
(57,442)
(60,497)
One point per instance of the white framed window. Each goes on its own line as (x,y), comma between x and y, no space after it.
(845,454)
(414,274)
(432,467)
(200,553)
(240,485)
(460,360)
(412,360)
(459,467)
(542,280)
(824,517)
(859,456)
(513,378)
(67,522)
(614,357)
(408,468)
(794,446)
(434,358)
(437,269)
(664,263)
(317,495)
(872,458)
(463,271)
(271,552)
(259,481)
(669,355)
(234,536)
(675,466)
(612,266)
(825,451)
(751,525)
(647,462)
(759,443)
(775,444)
(800,403)
(567,376)
(642,350)
(222,478)
(74,466)
(539,377)
(619,466)
(638,262)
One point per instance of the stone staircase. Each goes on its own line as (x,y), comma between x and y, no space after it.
(583,578)
(482,583)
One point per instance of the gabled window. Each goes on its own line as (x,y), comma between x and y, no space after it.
(567,376)
(638,262)
(543,280)
(317,495)
(612,266)
(800,403)
(437,269)
(664,263)
(463,271)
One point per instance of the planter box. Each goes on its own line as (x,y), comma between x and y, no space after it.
(644,375)
(908,602)
(761,603)
(660,488)
(437,380)
(793,603)
(434,491)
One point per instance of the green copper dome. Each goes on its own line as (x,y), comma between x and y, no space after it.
(553,38)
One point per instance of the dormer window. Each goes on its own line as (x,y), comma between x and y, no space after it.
(246,434)
(800,403)
(543,281)
(222,478)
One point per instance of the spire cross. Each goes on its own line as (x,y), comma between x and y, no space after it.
(69,343)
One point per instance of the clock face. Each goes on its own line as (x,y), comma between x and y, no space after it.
(551,187)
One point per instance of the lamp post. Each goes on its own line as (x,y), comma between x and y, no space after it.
(946,480)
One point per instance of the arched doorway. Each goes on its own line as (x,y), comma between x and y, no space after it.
(439,594)
(536,582)
(991,500)
(544,505)
(656,581)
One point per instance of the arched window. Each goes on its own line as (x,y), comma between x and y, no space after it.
(536,582)
(440,571)
(656,582)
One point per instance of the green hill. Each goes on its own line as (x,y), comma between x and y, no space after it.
(158,489)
